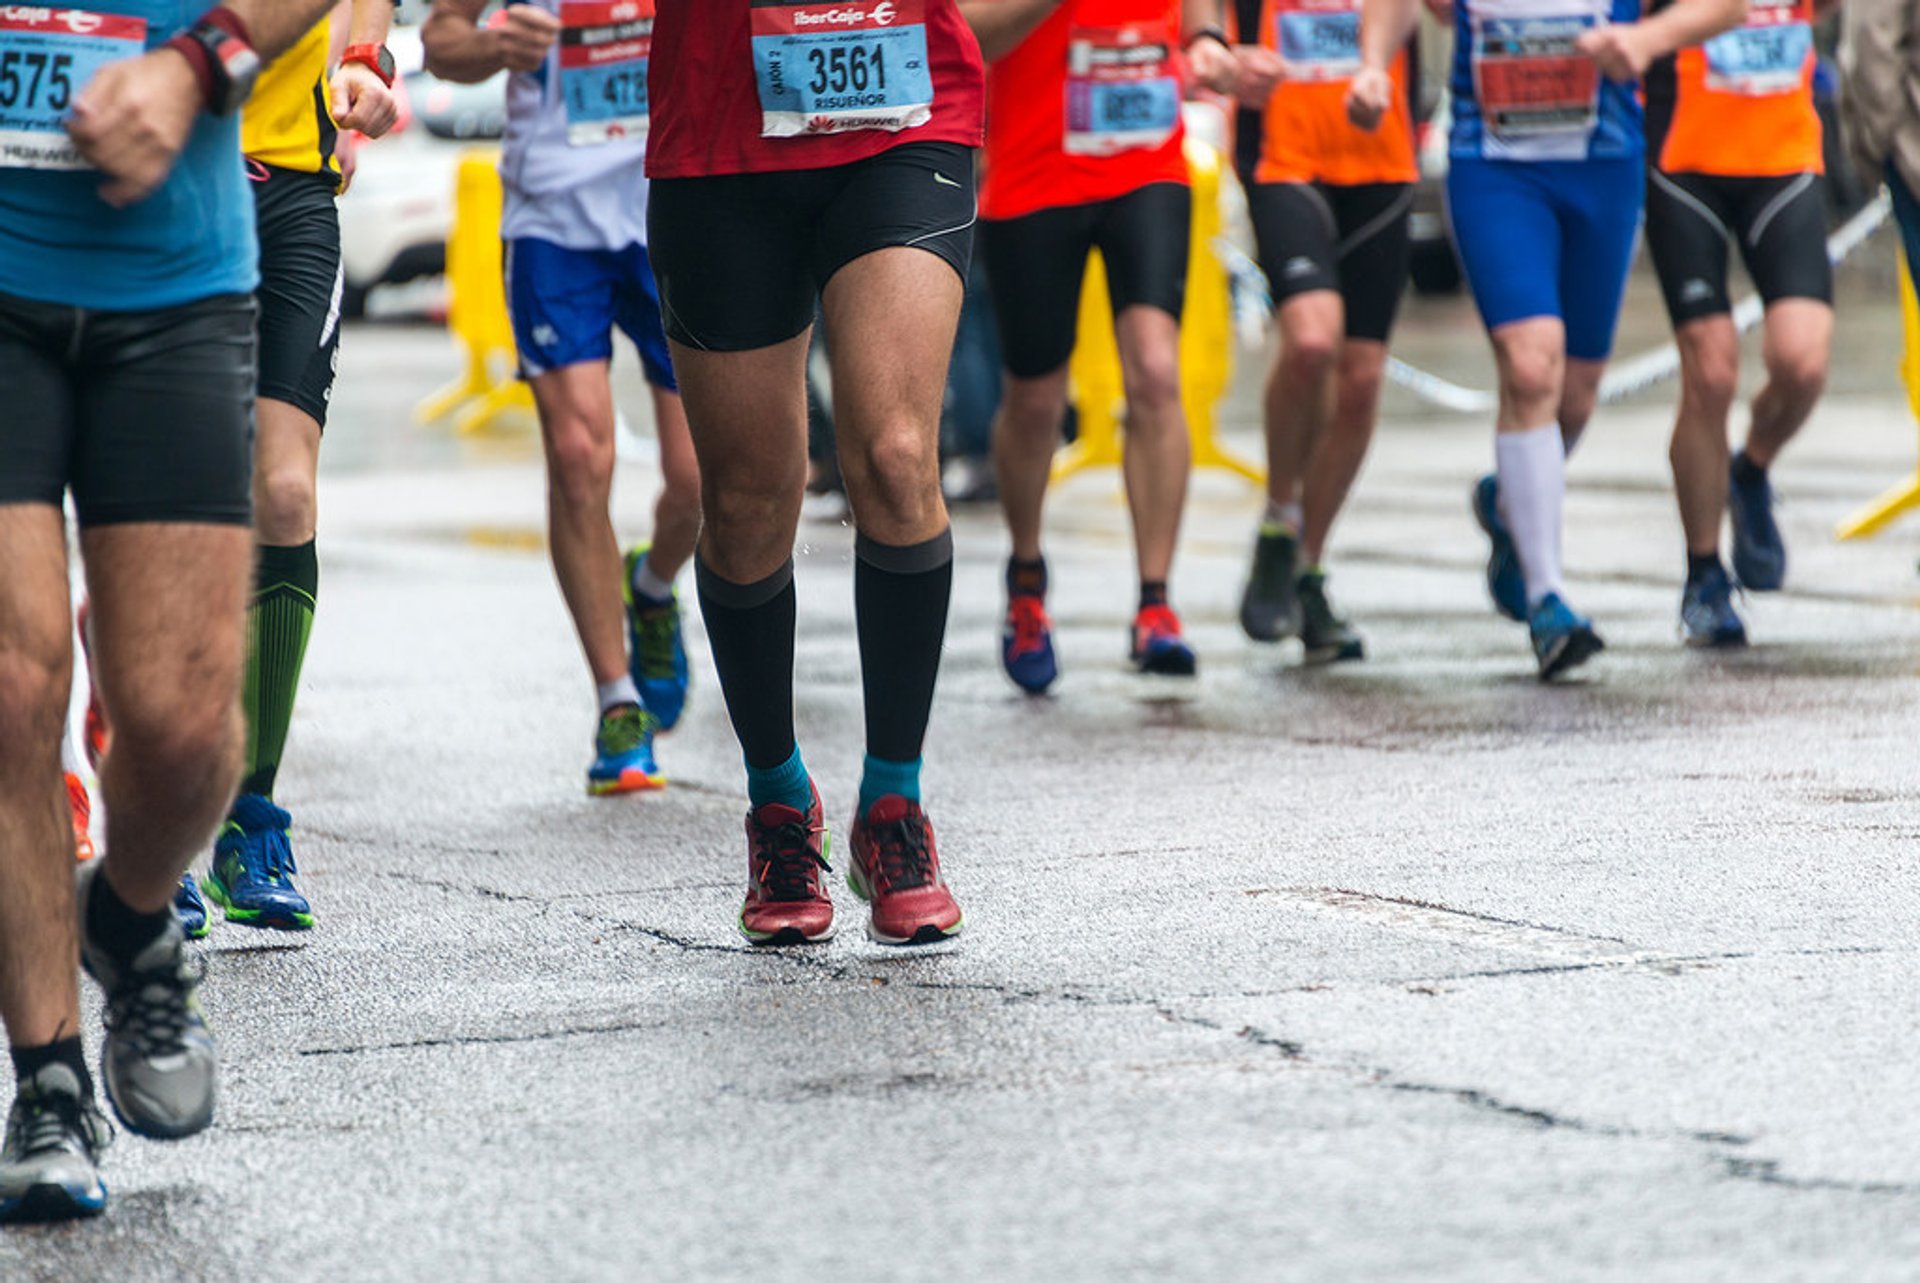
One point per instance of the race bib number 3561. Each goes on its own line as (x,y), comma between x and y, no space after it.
(46,58)
(604,47)
(835,66)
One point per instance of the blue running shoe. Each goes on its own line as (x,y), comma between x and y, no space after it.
(1026,644)
(1759,554)
(1707,617)
(1562,640)
(190,908)
(623,753)
(1158,645)
(1505,584)
(656,648)
(252,874)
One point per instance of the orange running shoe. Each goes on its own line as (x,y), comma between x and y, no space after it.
(95,737)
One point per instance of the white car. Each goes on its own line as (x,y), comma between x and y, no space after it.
(395,216)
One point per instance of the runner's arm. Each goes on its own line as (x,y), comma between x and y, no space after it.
(1385,27)
(1210,57)
(459,49)
(1000,25)
(1625,50)
(361,100)
(134,115)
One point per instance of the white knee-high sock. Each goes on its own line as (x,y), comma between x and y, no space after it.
(1533,484)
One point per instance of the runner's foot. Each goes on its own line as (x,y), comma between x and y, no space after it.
(1707,616)
(190,908)
(623,753)
(1505,584)
(1562,640)
(1026,644)
(656,647)
(1158,646)
(1759,553)
(1328,638)
(787,902)
(896,870)
(1270,607)
(49,1162)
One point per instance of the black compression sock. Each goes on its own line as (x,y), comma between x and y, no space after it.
(28,1061)
(122,931)
(1746,471)
(1027,578)
(750,632)
(1699,568)
(900,598)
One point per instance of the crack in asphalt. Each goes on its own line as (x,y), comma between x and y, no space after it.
(1765,1171)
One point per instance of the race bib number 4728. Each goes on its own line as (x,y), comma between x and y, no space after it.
(835,66)
(604,47)
(46,58)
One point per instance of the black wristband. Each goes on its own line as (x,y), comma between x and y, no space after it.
(1208,33)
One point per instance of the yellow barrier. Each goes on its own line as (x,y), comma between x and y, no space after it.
(477,306)
(1206,346)
(1878,515)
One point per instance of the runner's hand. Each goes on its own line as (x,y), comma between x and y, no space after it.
(1369,95)
(132,119)
(346,150)
(1261,72)
(1215,66)
(1618,50)
(525,37)
(362,101)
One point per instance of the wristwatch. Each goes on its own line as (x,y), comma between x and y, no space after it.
(374,58)
(223,61)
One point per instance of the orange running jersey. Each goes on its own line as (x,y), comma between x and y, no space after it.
(1741,104)
(1307,137)
(1086,108)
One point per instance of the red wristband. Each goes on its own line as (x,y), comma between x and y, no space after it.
(196,55)
(228,21)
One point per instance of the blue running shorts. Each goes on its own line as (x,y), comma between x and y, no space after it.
(1548,238)
(565,304)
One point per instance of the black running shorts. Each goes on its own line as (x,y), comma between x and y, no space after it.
(146,416)
(1353,240)
(300,286)
(1036,262)
(740,258)
(1780,225)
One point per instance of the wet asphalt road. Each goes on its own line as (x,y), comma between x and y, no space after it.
(1404,968)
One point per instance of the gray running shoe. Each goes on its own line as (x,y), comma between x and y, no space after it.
(1270,608)
(49,1163)
(1327,637)
(158,1058)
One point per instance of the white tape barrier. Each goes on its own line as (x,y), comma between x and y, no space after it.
(1639,373)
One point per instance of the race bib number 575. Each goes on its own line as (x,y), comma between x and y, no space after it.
(46,58)
(835,66)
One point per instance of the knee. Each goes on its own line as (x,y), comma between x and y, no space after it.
(1711,380)
(1030,409)
(1309,355)
(287,508)
(580,463)
(179,744)
(1534,376)
(1800,374)
(900,460)
(1153,381)
(33,704)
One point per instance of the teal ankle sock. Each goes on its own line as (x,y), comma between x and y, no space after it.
(880,777)
(786,784)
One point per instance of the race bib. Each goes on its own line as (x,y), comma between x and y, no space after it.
(46,58)
(1530,78)
(1123,91)
(1766,56)
(827,67)
(604,46)
(1320,44)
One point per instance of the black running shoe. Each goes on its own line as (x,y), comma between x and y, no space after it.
(1270,608)
(1327,637)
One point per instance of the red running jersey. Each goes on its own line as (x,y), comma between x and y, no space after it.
(1086,108)
(755,86)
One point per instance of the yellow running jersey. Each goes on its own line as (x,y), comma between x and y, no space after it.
(286,122)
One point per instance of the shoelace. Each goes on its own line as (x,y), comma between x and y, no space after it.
(1029,624)
(790,860)
(656,643)
(268,856)
(625,730)
(1157,623)
(906,858)
(48,1124)
(150,1009)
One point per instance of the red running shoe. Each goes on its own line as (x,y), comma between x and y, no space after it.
(1158,646)
(786,853)
(897,871)
(81,804)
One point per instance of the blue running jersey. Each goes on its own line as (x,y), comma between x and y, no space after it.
(1522,91)
(59,242)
